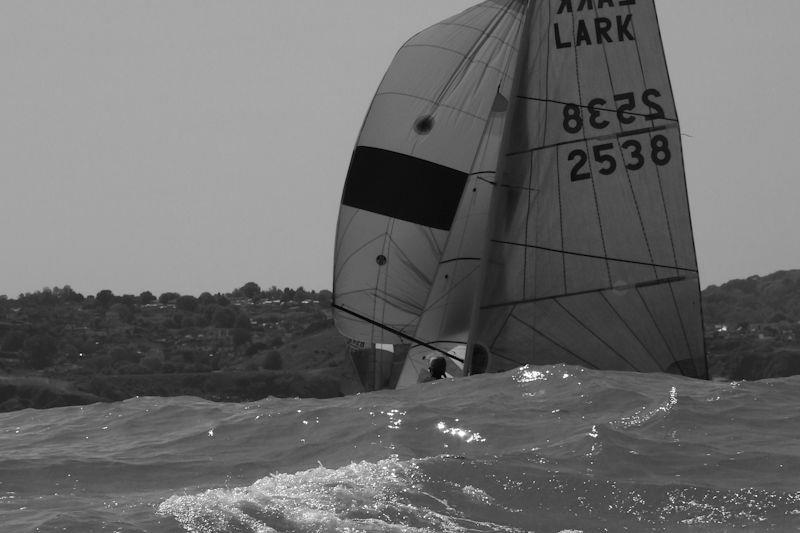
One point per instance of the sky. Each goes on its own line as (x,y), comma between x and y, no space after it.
(196,145)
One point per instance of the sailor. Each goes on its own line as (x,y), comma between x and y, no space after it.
(436,369)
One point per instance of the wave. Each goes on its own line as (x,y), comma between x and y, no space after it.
(541,448)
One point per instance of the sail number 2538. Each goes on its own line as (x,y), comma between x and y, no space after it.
(625,111)
(633,152)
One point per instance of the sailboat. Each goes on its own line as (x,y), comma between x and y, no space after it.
(517,196)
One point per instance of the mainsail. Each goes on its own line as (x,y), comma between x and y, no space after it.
(518,184)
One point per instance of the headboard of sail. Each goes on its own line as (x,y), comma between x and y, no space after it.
(592,255)
(421,174)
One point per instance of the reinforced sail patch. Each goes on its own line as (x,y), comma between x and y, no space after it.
(403,187)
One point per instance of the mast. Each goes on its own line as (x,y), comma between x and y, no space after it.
(519,73)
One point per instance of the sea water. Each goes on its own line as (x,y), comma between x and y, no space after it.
(545,449)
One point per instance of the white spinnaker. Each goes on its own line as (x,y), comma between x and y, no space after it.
(592,258)
(401,272)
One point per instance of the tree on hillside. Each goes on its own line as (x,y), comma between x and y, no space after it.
(288,294)
(168,297)
(66,294)
(186,303)
(105,298)
(147,297)
(250,289)
(325,297)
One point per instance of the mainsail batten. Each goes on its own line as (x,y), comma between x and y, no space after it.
(550,219)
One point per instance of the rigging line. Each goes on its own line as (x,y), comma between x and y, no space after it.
(595,335)
(609,110)
(506,186)
(397,332)
(606,137)
(630,329)
(658,328)
(636,286)
(592,256)
(559,345)
(472,52)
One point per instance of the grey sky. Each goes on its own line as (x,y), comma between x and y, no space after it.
(194,145)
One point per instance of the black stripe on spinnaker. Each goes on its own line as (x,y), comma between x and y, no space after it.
(403,187)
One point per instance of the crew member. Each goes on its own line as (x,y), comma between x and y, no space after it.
(436,369)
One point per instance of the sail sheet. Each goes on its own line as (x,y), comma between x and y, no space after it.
(416,200)
(591,258)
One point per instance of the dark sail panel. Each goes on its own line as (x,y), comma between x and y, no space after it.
(403,187)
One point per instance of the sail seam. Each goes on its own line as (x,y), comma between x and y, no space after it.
(630,329)
(683,330)
(595,335)
(660,332)
(556,343)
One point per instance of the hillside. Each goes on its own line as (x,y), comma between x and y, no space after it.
(58,347)
(753,326)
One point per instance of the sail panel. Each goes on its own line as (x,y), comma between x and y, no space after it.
(378,179)
(591,242)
